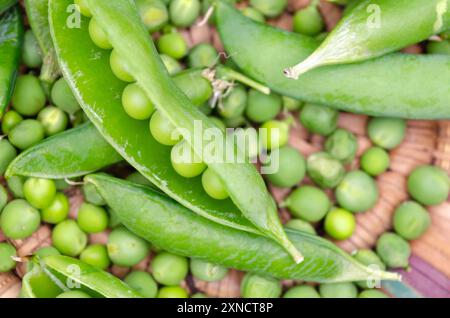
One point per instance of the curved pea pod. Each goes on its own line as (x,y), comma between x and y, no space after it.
(397,85)
(57,274)
(86,68)
(376,27)
(73,153)
(172,227)
(11,38)
(37,13)
(6,4)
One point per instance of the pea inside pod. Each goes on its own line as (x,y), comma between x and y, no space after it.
(146,213)
(122,24)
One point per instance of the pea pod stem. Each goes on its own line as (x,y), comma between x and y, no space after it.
(229,74)
(371,29)
(172,227)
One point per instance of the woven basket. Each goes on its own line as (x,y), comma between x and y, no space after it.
(426,142)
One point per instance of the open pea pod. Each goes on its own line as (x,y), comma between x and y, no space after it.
(172,227)
(37,13)
(73,153)
(6,4)
(87,70)
(11,37)
(396,85)
(57,274)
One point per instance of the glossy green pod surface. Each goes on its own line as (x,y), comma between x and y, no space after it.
(57,274)
(86,68)
(37,13)
(11,37)
(172,227)
(397,85)
(73,153)
(376,27)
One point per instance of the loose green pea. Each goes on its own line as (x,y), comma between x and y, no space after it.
(303,291)
(291,167)
(300,225)
(126,248)
(68,238)
(15,185)
(7,252)
(53,119)
(73,294)
(7,154)
(255,286)
(96,255)
(233,105)
(411,220)
(357,192)
(163,130)
(338,290)
(375,161)
(340,224)
(429,185)
(270,8)
(136,103)
(393,250)
(83,7)
(143,283)
(91,195)
(324,170)
(207,271)
(342,145)
(28,97)
(235,122)
(19,220)
(47,251)
(172,292)
(98,36)
(187,164)
(119,67)
(172,44)
(308,203)
(199,295)
(253,14)
(183,13)
(79,118)
(31,53)
(371,259)
(172,65)
(169,269)
(62,97)
(274,134)
(10,120)
(213,185)
(438,47)
(92,218)
(319,119)
(27,134)
(262,107)
(3,197)
(291,104)
(372,293)
(39,192)
(308,21)
(153,14)
(202,55)
(61,184)
(386,133)
(57,211)
(197,88)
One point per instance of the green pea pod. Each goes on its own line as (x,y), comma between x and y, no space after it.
(376,27)
(37,13)
(172,227)
(73,153)
(11,38)
(6,4)
(87,69)
(57,274)
(397,85)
